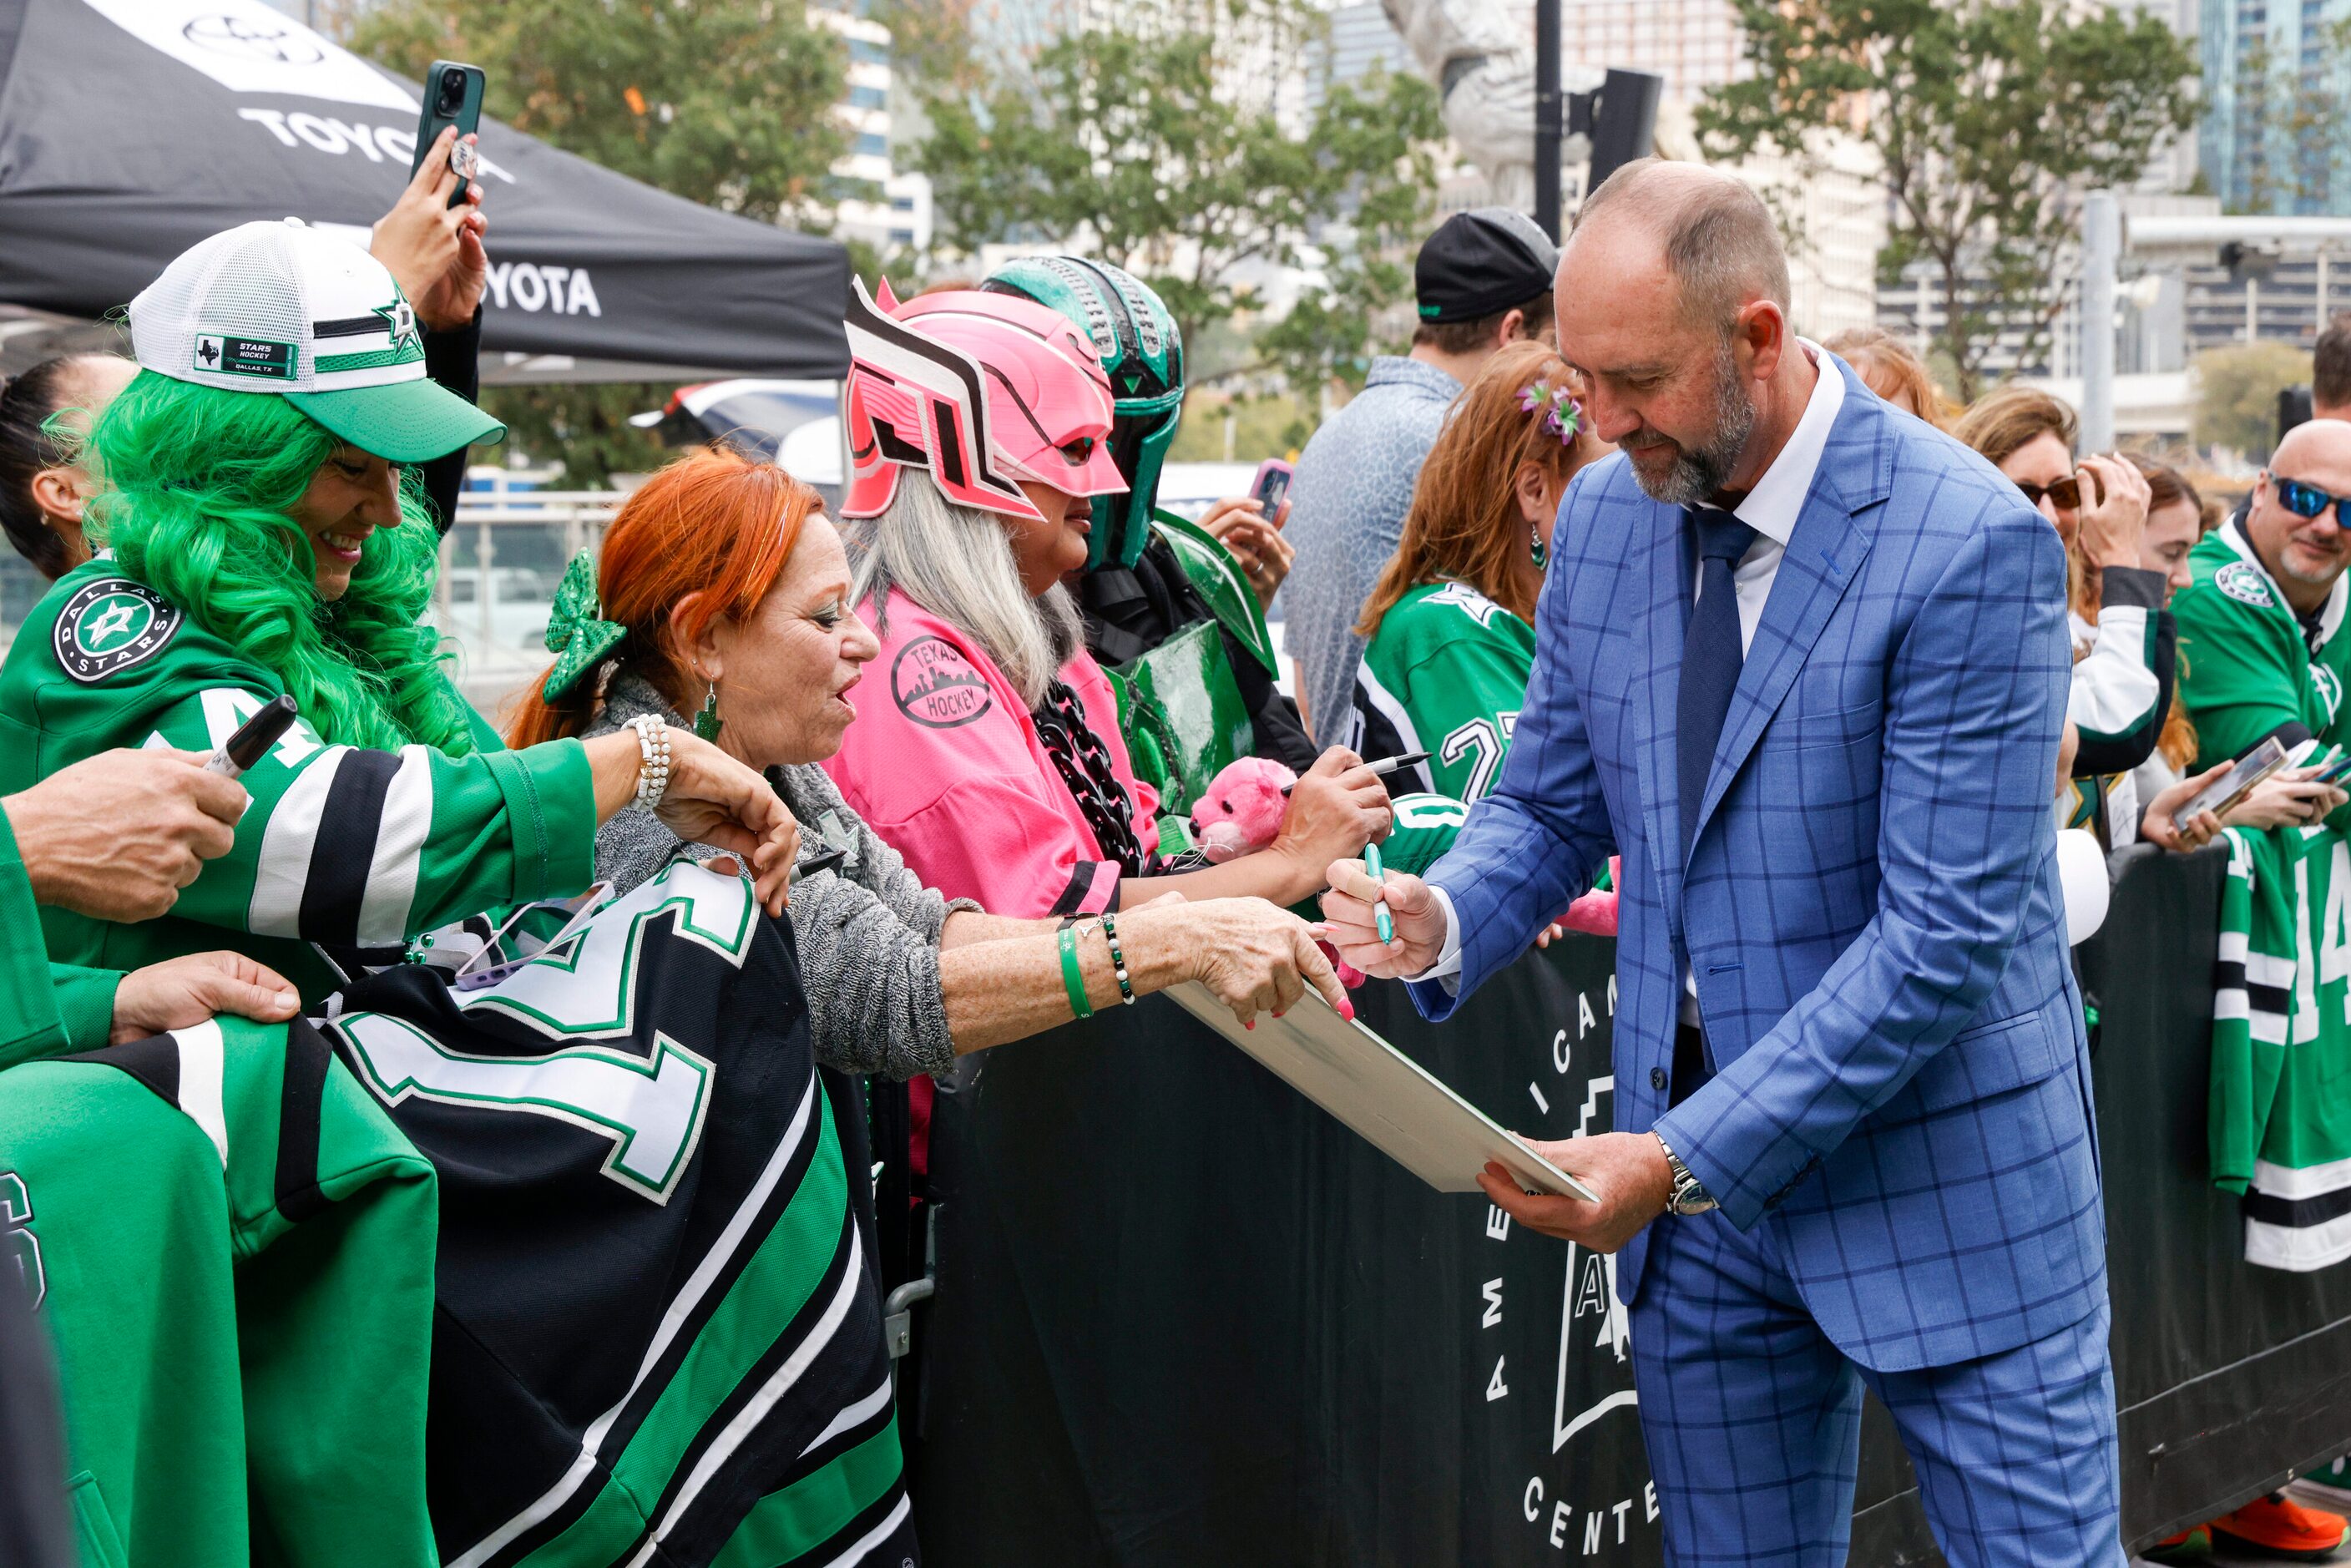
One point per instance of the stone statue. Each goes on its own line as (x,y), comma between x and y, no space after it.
(1476,54)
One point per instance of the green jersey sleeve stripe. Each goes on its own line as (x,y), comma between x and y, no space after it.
(404,822)
(281,873)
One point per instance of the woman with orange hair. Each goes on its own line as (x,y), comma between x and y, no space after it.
(1450,623)
(727,590)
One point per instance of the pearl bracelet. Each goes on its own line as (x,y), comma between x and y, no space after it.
(652,751)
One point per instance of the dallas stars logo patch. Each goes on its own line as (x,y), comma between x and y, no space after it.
(398,319)
(2243,585)
(110,625)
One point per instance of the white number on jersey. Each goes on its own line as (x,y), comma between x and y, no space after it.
(651,1108)
(589,988)
(1480,735)
(1468,601)
(16,1238)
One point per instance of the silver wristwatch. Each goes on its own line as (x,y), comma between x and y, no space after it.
(1688,1196)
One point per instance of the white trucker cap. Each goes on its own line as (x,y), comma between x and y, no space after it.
(285,309)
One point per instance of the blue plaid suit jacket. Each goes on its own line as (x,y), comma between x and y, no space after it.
(1871,906)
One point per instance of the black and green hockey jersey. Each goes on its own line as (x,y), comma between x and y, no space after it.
(659,1335)
(351,848)
(2248,668)
(1445,673)
(232,1250)
(2282,1044)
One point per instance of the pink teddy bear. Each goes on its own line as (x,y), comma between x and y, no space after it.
(1240,813)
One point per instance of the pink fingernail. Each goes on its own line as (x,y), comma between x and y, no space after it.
(1250,1024)
(1347,1009)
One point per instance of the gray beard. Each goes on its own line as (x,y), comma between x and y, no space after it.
(1699,471)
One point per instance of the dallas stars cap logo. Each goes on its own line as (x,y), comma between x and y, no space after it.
(110,625)
(398,319)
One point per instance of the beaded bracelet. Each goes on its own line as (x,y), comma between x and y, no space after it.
(652,755)
(1072,981)
(1117,958)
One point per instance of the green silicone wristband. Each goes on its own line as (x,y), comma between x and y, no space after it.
(1072,980)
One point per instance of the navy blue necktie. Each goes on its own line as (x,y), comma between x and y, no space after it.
(1711,655)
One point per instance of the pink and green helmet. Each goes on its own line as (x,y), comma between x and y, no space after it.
(982,391)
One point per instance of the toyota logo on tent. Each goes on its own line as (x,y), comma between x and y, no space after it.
(243,38)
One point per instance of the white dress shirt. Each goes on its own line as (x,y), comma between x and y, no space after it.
(1771,508)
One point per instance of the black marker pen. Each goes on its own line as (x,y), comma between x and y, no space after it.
(255,737)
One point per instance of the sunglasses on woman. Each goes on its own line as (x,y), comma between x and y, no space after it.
(2066,492)
(2310,501)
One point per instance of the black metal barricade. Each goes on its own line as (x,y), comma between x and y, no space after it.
(1184,1318)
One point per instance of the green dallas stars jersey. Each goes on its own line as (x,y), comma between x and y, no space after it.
(1445,673)
(2282,1044)
(343,847)
(2248,669)
(232,1248)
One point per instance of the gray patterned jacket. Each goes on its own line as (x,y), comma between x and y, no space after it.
(868,934)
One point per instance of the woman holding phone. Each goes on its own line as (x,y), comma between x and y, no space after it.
(433,248)
(265,540)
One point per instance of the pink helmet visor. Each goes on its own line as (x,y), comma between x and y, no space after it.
(981,389)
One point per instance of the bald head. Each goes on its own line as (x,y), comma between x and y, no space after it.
(1710,233)
(2314,446)
(2305,555)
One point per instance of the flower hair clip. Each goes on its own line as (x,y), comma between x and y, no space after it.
(1563,414)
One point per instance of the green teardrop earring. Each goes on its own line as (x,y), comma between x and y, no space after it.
(1535,547)
(706,722)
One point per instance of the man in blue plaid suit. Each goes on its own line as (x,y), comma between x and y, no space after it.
(1802,661)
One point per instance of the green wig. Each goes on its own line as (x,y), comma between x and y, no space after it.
(200,484)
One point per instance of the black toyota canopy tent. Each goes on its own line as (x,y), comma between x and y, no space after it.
(132,128)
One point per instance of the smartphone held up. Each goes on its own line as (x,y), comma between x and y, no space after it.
(452,95)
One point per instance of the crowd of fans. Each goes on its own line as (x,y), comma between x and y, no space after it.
(934,693)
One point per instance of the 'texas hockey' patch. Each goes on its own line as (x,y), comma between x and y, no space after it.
(110,625)
(2243,585)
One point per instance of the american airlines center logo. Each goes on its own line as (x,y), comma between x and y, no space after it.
(1557,1384)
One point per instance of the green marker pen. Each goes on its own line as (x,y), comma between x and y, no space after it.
(1379,906)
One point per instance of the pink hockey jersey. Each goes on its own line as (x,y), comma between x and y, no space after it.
(946,764)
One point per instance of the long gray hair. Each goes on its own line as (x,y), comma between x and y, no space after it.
(957,562)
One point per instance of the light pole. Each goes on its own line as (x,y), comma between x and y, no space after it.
(2102,247)
(1550,117)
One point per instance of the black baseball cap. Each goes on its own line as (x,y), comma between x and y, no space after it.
(1480,263)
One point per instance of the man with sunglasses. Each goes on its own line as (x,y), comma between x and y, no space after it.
(2264,653)
(2262,649)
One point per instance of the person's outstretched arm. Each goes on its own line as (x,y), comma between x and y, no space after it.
(1528,850)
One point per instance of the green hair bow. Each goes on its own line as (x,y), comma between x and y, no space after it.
(577,633)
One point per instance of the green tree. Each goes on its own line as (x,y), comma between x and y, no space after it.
(724,102)
(1130,142)
(1989,119)
(2237,392)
